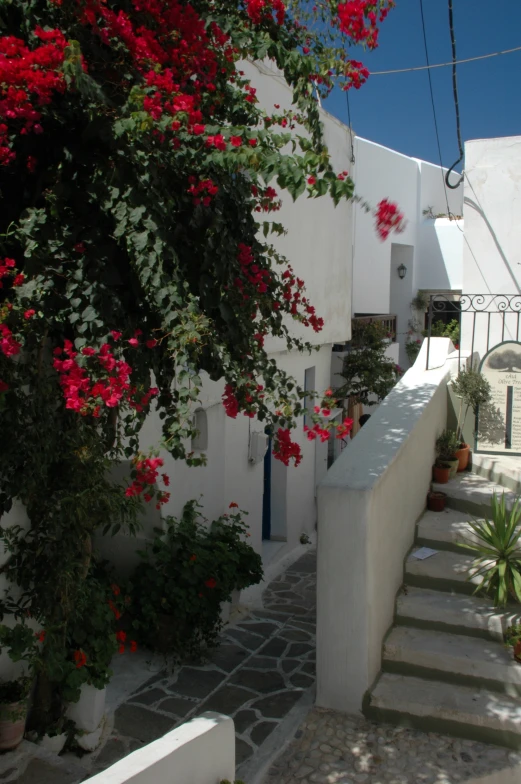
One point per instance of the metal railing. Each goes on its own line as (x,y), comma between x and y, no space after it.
(387,320)
(485,320)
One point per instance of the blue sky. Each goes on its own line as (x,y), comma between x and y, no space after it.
(395,110)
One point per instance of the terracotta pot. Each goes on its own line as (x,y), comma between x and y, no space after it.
(12,724)
(463,456)
(453,467)
(441,474)
(436,501)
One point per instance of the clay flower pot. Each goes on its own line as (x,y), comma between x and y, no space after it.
(12,724)
(463,456)
(436,501)
(453,467)
(441,474)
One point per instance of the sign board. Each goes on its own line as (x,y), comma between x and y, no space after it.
(498,427)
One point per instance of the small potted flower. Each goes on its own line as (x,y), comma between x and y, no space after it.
(21,644)
(446,445)
(14,698)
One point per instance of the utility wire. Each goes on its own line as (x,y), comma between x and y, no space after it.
(433,106)
(444,65)
(352,157)
(456,103)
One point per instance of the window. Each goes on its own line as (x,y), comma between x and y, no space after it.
(309,386)
(200,423)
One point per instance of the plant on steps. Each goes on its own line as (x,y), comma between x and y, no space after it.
(498,555)
(185,575)
(473,390)
(513,640)
(446,446)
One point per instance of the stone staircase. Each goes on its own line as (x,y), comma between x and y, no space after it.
(444,666)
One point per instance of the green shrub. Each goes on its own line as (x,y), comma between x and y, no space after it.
(498,560)
(186,573)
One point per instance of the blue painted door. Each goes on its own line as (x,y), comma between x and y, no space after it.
(266,497)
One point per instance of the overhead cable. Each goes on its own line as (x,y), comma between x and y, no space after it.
(456,103)
(444,65)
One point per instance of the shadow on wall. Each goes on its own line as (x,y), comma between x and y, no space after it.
(386,432)
(471,203)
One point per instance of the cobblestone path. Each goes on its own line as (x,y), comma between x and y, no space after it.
(331,748)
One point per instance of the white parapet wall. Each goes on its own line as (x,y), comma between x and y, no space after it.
(202,751)
(368,505)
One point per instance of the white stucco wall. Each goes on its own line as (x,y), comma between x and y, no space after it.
(431,249)
(368,505)
(202,751)
(492,250)
(319,238)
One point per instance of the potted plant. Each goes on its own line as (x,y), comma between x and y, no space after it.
(498,555)
(473,390)
(22,645)
(513,640)
(184,578)
(56,736)
(436,500)
(446,445)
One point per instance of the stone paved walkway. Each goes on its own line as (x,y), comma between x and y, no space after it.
(262,669)
(262,672)
(331,748)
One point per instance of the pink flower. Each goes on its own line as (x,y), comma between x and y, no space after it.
(29,314)
(152,343)
(312,180)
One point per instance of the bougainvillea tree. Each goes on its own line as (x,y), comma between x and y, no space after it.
(138,177)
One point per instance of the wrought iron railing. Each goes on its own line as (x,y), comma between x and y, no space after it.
(485,319)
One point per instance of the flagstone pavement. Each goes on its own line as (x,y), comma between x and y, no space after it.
(262,675)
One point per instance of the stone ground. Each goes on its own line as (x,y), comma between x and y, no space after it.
(263,676)
(331,748)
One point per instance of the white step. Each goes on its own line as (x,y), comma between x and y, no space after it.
(447,529)
(451,611)
(447,708)
(444,570)
(500,468)
(454,657)
(472,493)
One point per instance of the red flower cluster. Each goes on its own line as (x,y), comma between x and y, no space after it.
(178,54)
(27,79)
(3,387)
(198,190)
(121,637)
(358,20)
(81,394)
(292,294)
(211,582)
(262,10)
(8,345)
(80,659)
(251,270)
(267,199)
(356,73)
(230,402)
(285,449)
(388,218)
(146,476)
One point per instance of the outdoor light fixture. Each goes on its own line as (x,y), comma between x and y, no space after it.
(402,271)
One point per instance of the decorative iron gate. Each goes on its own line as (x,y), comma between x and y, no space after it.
(485,320)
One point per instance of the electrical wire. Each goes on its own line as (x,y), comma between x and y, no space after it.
(444,65)
(352,157)
(456,103)
(433,106)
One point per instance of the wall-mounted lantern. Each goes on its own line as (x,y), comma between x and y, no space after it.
(402,271)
